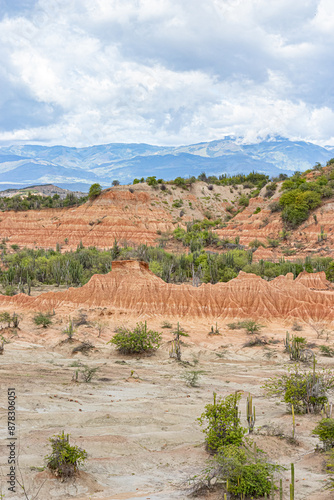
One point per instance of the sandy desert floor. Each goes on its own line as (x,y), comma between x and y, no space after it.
(137,418)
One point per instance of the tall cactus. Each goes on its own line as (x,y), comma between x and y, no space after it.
(292,484)
(250,409)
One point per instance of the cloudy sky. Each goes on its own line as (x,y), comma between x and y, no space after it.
(167,72)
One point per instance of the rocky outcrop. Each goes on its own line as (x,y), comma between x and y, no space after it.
(133,289)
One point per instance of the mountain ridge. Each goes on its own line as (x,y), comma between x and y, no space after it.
(77,168)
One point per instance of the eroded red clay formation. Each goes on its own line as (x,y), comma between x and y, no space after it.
(133,289)
(140,214)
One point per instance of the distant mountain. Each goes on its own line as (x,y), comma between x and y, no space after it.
(78,168)
(40,189)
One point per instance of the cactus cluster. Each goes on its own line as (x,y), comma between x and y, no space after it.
(296,347)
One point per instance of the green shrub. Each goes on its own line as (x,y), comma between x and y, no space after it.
(222,420)
(192,377)
(42,319)
(180,181)
(69,330)
(152,181)
(88,373)
(249,325)
(275,206)
(94,191)
(297,202)
(256,243)
(5,317)
(273,243)
(10,290)
(64,458)
(243,200)
(177,203)
(166,324)
(325,431)
(326,351)
(136,341)
(246,469)
(307,391)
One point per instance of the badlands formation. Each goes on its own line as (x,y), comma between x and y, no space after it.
(132,289)
(141,214)
(137,419)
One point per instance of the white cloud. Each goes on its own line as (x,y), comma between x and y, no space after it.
(166,71)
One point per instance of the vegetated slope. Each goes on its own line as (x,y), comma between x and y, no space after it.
(142,214)
(136,214)
(132,289)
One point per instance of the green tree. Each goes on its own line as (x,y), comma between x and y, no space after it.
(94,191)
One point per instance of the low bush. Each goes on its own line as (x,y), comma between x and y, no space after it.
(247,472)
(136,341)
(326,351)
(223,426)
(325,431)
(192,377)
(307,391)
(249,325)
(166,324)
(42,319)
(64,459)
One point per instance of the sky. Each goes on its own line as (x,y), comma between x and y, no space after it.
(165,72)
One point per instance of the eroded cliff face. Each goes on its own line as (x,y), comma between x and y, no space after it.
(133,289)
(140,214)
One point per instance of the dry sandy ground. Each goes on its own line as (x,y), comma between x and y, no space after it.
(140,431)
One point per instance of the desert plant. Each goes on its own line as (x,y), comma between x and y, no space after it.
(272,242)
(214,330)
(100,326)
(296,327)
(15,320)
(166,324)
(64,459)
(70,330)
(88,373)
(295,346)
(325,431)
(192,377)
(222,422)
(5,317)
(136,341)
(250,411)
(256,341)
(326,351)
(251,326)
(81,319)
(42,319)
(175,350)
(84,347)
(305,390)
(242,471)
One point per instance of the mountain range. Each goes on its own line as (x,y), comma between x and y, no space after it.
(78,168)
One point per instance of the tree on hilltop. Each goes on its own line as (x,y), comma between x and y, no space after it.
(94,191)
